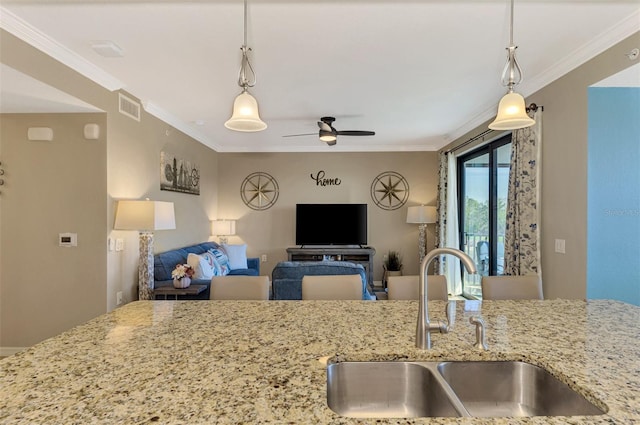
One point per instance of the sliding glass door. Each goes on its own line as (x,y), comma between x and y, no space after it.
(483,179)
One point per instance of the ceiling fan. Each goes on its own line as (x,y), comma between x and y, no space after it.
(329,134)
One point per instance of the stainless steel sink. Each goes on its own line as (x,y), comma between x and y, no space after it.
(386,390)
(491,389)
(447,389)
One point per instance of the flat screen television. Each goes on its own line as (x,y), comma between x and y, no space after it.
(331,224)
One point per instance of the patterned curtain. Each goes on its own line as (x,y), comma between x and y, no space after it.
(522,247)
(447,224)
(441,207)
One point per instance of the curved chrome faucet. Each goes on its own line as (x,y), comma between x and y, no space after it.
(424,326)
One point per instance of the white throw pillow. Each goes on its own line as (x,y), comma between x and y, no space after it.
(237,256)
(202,268)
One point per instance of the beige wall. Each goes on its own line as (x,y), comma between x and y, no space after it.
(133,172)
(564,169)
(130,169)
(272,231)
(51,187)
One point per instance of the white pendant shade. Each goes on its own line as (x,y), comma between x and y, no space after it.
(245,114)
(512,114)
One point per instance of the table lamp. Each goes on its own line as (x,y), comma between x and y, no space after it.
(222,229)
(145,217)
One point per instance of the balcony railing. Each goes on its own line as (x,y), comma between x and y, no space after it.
(477,247)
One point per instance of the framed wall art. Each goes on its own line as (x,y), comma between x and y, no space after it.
(389,190)
(259,191)
(179,175)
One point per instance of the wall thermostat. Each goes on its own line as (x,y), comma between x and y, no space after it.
(68,239)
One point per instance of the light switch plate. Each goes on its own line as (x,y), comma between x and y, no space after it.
(560,246)
(119,244)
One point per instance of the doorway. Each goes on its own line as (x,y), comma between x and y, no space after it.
(483,180)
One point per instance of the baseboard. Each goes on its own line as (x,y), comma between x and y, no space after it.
(10,351)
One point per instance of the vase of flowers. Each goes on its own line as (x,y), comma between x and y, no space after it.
(182,275)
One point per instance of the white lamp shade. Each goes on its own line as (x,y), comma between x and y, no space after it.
(145,216)
(512,113)
(422,214)
(223,227)
(245,114)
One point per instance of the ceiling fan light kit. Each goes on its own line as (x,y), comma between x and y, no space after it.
(245,117)
(330,135)
(327,136)
(512,112)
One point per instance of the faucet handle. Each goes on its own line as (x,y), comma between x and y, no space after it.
(450,313)
(445,327)
(480,342)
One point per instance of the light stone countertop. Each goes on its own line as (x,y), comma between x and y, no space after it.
(206,362)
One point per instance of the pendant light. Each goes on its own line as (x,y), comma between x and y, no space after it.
(245,115)
(512,113)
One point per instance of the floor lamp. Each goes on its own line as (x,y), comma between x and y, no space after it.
(146,217)
(422,215)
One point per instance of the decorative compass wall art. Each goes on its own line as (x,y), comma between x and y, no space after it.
(178,175)
(259,191)
(389,190)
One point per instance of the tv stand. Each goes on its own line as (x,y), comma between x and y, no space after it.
(362,255)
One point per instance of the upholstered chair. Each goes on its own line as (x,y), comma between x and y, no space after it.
(408,287)
(332,287)
(240,288)
(511,288)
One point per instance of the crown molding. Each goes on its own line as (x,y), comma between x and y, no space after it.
(583,54)
(31,35)
(323,148)
(179,124)
(588,51)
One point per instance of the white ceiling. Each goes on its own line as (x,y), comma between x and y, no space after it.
(21,93)
(418,73)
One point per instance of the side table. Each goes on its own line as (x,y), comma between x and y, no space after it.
(170,290)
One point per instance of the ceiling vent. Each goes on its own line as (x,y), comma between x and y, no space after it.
(107,49)
(129,107)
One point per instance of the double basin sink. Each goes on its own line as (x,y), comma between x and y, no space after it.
(450,389)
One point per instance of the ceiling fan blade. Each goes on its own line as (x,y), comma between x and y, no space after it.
(324,126)
(356,133)
(297,135)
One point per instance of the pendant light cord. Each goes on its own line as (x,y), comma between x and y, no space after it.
(512,74)
(245,65)
(510,27)
(245,22)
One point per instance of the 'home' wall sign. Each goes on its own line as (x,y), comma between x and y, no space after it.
(320,179)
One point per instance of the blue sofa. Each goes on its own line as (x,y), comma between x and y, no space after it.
(164,263)
(286,276)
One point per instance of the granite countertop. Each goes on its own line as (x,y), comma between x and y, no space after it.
(203,362)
